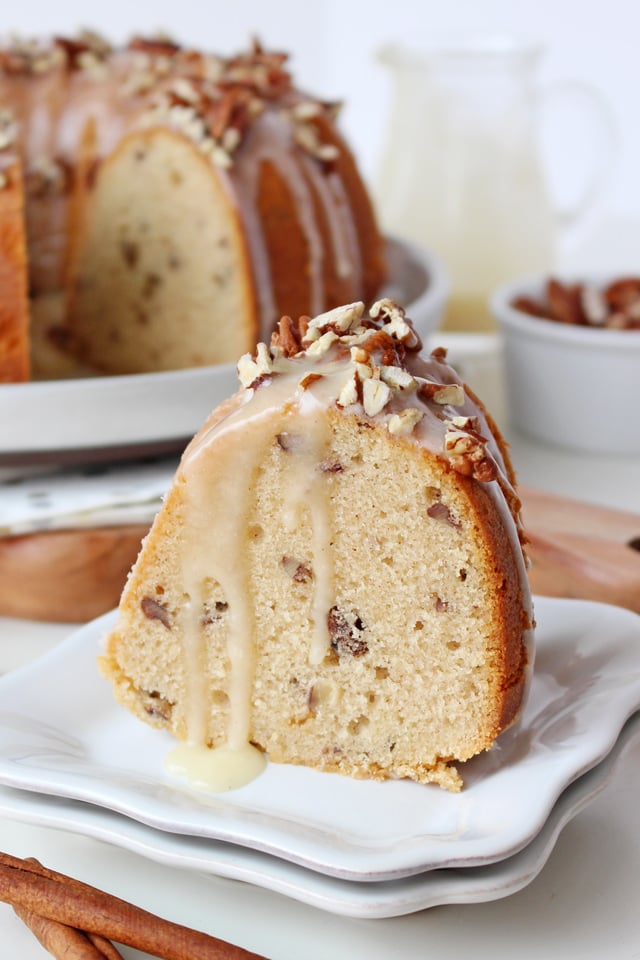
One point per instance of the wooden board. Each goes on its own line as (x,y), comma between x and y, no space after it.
(576,550)
(581,550)
(66,576)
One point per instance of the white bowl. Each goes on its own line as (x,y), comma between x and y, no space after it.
(575,387)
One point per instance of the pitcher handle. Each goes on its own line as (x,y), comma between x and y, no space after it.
(572,217)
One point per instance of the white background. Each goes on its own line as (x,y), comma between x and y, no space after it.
(333,46)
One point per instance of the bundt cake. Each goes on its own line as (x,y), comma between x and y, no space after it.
(167,189)
(14,309)
(336,576)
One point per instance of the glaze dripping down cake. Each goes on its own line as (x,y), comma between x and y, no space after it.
(336,575)
(166,189)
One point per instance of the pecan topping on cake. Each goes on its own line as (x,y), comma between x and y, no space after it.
(374,350)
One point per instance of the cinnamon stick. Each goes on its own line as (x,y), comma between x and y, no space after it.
(55,896)
(105,947)
(62,942)
(66,943)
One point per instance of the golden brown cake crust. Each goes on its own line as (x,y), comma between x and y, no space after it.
(14,311)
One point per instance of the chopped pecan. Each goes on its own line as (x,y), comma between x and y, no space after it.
(440,511)
(467,454)
(130,252)
(253,372)
(155,704)
(395,323)
(616,306)
(442,393)
(623,293)
(594,305)
(439,354)
(530,306)
(565,302)
(154,610)
(350,392)
(392,352)
(154,46)
(307,136)
(81,50)
(214,614)
(397,378)
(289,441)
(321,346)
(287,337)
(309,379)
(346,632)
(322,693)
(469,425)
(298,571)
(340,320)
(402,424)
(375,396)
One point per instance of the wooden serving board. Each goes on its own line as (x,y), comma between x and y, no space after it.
(576,550)
(66,576)
(581,550)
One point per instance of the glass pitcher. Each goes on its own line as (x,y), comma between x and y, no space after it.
(462,170)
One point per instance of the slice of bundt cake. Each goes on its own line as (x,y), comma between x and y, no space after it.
(336,576)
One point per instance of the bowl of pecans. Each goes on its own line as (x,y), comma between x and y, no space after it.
(572,360)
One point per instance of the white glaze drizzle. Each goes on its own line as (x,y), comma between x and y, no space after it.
(342,228)
(270,141)
(306,473)
(221,500)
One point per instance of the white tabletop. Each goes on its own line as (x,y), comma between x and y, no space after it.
(582,905)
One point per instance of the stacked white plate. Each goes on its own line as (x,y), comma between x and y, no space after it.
(71,758)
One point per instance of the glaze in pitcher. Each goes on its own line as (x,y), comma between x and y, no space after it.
(462,171)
